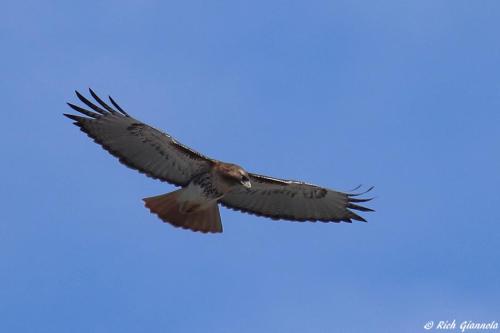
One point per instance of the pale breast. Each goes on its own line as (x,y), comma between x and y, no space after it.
(199,194)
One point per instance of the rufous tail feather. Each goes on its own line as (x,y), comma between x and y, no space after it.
(167,208)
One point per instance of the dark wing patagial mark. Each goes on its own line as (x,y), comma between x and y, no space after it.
(138,145)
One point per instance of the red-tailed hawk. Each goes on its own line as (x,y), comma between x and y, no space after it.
(205,182)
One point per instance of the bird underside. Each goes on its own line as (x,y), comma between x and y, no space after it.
(205,181)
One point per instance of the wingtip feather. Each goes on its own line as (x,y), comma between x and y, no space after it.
(102,103)
(358,207)
(73,117)
(84,111)
(356,217)
(117,106)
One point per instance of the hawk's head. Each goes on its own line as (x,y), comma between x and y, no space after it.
(234,174)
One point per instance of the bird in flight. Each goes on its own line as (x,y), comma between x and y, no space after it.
(205,182)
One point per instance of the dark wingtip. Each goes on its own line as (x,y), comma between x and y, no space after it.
(91,105)
(351,204)
(356,188)
(80,96)
(83,111)
(92,92)
(102,103)
(117,106)
(360,193)
(358,218)
(73,117)
(360,208)
(359,200)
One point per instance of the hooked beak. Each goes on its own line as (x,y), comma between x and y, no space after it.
(246,183)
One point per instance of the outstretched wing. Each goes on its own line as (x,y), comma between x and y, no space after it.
(295,201)
(138,145)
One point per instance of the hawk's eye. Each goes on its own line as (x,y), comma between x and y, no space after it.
(244,178)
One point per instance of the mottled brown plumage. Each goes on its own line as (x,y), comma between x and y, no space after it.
(205,182)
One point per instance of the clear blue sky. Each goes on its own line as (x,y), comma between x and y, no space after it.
(403,95)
